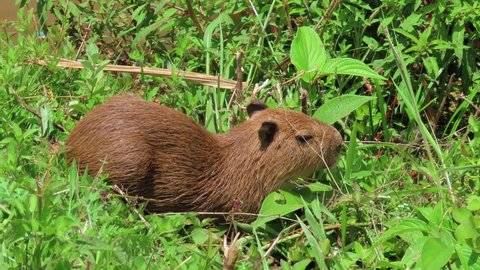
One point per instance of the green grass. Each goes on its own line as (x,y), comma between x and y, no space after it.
(405,194)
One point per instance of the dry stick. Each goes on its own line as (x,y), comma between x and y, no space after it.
(462,96)
(257,88)
(444,100)
(33,111)
(120,191)
(274,243)
(230,252)
(193,17)
(237,92)
(84,39)
(304,100)
(328,13)
(193,77)
(289,20)
(239,73)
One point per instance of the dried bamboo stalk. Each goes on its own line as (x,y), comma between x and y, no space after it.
(194,77)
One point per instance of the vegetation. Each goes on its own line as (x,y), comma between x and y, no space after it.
(405,193)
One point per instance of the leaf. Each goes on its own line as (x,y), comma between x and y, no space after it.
(461,215)
(199,236)
(301,265)
(473,203)
(314,244)
(207,36)
(465,231)
(307,52)
(458,37)
(17,132)
(349,66)
(339,107)
(435,254)
(319,187)
(431,66)
(315,222)
(44,112)
(161,25)
(408,229)
(277,204)
(209,116)
(412,253)
(469,258)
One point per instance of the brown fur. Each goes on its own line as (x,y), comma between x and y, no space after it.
(157,152)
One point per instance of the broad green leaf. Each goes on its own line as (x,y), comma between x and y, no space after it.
(301,265)
(349,66)
(469,258)
(284,265)
(435,254)
(473,203)
(307,52)
(412,253)
(461,215)
(432,215)
(408,229)
(465,231)
(339,107)
(278,204)
(199,236)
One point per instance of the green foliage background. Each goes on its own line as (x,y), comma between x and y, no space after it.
(405,192)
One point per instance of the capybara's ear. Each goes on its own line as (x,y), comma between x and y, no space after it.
(255,106)
(266,134)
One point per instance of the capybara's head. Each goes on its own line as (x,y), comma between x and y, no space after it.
(293,142)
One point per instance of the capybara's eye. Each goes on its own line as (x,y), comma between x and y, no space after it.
(303,138)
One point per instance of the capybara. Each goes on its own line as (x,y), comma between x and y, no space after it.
(155,152)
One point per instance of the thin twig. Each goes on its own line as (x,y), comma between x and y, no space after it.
(462,96)
(257,88)
(304,100)
(35,112)
(269,250)
(182,263)
(84,39)
(191,13)
(121,192)
(237,92)
(239,73)
(328,13)
(444,100)
(289,19)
